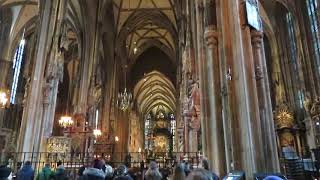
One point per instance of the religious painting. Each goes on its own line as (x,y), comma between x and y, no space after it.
(161,143)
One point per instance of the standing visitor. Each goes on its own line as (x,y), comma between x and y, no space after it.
(46,173)
(179,173)
(122,173)
(153,172)
(95,172)
(205,165)
(5,173)
(60,173)
(26,173)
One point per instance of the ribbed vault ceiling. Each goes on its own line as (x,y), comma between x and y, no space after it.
(141,24)
(125,8)
(153,92)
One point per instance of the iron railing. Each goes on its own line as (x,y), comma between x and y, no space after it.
(295,167)
(73,161)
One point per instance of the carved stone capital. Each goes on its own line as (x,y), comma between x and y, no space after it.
(257,39)
(211,36)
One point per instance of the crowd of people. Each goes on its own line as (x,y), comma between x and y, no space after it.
(99,170)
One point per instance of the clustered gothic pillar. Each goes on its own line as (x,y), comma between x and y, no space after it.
(265,107)
(36,115)
(215,124)
(237,122)
(204,115)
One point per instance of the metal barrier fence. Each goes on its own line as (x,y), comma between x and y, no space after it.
(73,161)
(295,167)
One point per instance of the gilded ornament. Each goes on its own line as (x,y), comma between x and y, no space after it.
(284,117)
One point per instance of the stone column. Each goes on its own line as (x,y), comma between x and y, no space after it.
(204,114)
(265,107)
(244,121)
(187,118)
(216,153)
(32,124)
(88,57)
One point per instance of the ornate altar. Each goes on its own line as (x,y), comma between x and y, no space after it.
(287,130)
(161,135)
(59,147)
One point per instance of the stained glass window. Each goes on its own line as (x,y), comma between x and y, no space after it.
(147,132)
(173,129)
(17,62)
(312,6)
(299,95)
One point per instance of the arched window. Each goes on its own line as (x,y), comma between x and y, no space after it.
(173,127)
(299,95)
(17,64)
(147,132)
(312,6)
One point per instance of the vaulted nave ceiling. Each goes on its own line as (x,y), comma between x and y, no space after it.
(141,24)
(155,91)
(123,9)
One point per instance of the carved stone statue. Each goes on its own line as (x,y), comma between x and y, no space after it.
(60,65)
(315,109)
(307,103)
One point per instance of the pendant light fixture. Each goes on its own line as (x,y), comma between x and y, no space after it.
(125,97)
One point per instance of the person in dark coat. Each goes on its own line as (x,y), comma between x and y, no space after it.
(80,172)
(205,165)
(26,173)
(95,172)
(60,174)
(122,173)
(5,173)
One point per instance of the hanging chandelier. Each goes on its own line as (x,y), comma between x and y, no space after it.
(3,99)
(124,99)
(97,132)
(66,121)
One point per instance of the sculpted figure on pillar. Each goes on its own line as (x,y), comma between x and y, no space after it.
(26,90)
(47,87)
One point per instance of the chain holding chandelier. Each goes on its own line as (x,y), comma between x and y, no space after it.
(125,97)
